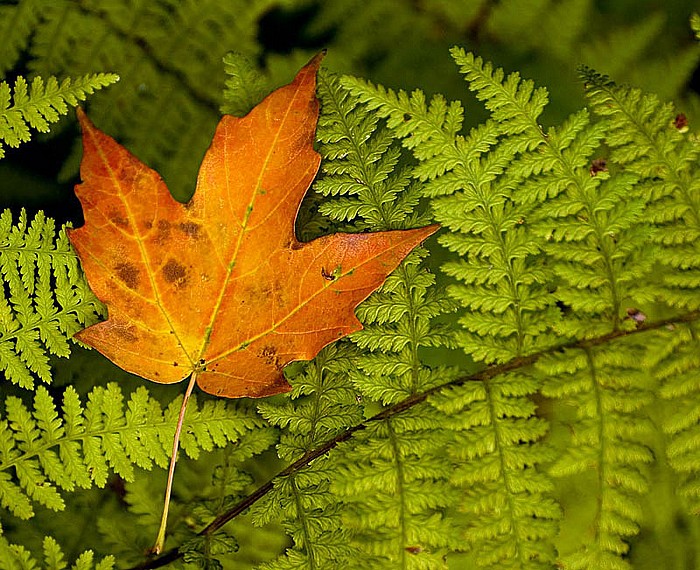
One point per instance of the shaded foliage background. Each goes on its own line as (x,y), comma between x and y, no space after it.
(170,57)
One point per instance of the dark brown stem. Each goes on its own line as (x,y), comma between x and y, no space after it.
(403,405)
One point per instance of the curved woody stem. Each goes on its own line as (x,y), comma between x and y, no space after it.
(160,539)
(413,400)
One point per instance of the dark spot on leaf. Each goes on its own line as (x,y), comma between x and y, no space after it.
(118,220)
(128,273)
(148,225)
(190,229)
(201,361)
(126,334)
(681,122)
(269,354)
(175,273)
(163,231)
(175,364)
(326,275)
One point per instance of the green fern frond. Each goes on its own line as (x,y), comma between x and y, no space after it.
(323,404)
(511,515)
(402,528)
(42,451)
(42,103)
(245,86)
(650,139)
(611,390)
(16,557)
(17,22)
(675,359)
(45,299)
(168,55)
(695,24)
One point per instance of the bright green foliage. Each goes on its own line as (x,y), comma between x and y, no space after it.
(16,557)
(393,477)
(42,103)
(649,139)
(42,452)
(511,513)
(609,387)
(45,300)
(245,85)
(390,484)
(536,218)
(556,239)
(323,404)
(676,363)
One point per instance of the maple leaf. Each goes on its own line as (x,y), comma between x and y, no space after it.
(220,286)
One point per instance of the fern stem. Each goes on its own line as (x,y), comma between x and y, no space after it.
(400,492)
(301,515)
(160,539)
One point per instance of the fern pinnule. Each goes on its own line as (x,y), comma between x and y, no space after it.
(47,452)
(46,297)
(42,104)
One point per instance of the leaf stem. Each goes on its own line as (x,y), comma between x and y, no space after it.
(160,539)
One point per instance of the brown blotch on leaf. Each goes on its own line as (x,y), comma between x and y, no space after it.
(118,220)
(681,122)
(598,165)
(269,354)
(175,273)
(163,231)
(128,273)
(190,229)
(126,334)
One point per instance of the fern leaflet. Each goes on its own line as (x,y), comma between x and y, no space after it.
(42,104)
(42,452)
(45,300)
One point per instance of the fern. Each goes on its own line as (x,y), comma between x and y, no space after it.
(168,55)
(325,405)
(16,557)
(42,452)
(46,298)
(648,139)
(42,104)
(538,220)
(677,367)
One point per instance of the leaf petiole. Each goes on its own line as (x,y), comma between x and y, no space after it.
(160,539)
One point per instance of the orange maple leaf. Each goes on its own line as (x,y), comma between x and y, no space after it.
(220,286)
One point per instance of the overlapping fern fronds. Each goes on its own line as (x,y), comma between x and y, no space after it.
(42,103)
(553,247)
(506,306)
(16,557)
(45,299)
(323,404)
(378,500)
(42,450)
